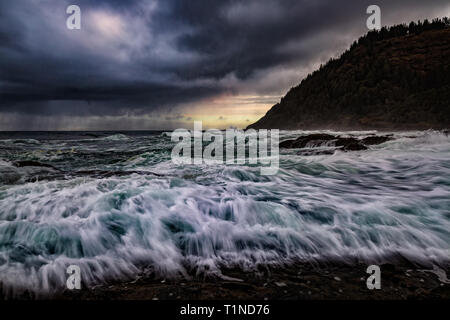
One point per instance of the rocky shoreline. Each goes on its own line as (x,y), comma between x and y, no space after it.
(331,281)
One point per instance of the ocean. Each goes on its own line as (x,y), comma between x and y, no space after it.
(114,204)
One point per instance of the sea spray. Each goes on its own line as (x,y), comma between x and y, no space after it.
(391,200)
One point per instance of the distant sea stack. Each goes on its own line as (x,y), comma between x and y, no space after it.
(397,78)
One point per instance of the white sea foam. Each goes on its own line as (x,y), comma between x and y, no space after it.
(117,137)
(393,199)
(20,141)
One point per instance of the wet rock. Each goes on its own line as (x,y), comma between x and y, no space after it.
(314,144)
(287,144)
(344,281)
(280,284)
(374,140)
(323,140)
(350,144)
(236,286)
(309,140)
(29,163)
(389,267)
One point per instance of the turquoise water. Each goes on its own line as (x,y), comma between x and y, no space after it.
(115,205)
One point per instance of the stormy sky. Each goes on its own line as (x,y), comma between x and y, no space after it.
(160,64)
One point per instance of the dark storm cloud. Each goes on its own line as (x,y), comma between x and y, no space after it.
(135,56)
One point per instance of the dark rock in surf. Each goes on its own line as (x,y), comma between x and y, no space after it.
(29,163)
(312,139)
(350,144)
(374,140)
(324,140)
(311,143)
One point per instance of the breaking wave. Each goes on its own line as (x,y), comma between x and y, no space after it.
(390,200)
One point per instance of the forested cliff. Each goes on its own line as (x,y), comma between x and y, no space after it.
(395,78)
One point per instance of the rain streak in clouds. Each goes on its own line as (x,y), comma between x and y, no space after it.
(161,64)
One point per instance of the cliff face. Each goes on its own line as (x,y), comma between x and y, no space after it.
(397,78)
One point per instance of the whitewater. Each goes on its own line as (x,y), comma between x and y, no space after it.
(116,206)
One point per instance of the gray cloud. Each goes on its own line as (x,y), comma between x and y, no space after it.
(135,57)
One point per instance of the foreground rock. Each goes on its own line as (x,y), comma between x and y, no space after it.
(298,281)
